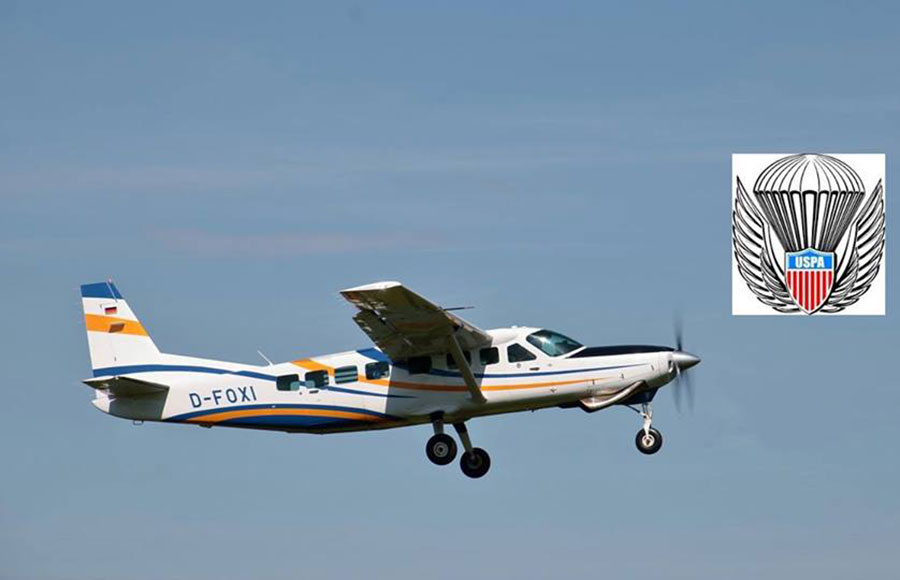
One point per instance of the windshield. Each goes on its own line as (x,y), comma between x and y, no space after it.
(553,343)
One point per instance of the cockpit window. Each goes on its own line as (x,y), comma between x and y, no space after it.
(553,343)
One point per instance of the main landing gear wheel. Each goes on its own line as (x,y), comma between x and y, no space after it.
(475,463)
(441,449)
(648,442)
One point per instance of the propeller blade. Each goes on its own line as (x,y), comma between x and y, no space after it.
(676,389)
(689,391)
(683,388)
(678,332)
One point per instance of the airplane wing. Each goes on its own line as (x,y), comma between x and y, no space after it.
(404,324)
(125,386)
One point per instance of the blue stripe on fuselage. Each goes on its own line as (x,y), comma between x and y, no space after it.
(443,373)
(127,370)
(356,392)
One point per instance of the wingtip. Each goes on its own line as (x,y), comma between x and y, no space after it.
(374,286)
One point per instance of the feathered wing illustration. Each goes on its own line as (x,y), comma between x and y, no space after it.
(865,243)
(755,255)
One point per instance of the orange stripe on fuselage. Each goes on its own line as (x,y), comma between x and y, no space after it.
(430,387)
(226,415)
(312,365)
(112,324)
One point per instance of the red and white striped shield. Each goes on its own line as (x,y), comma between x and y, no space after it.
(809,275)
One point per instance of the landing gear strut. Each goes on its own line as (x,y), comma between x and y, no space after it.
(648,439)
(475,462)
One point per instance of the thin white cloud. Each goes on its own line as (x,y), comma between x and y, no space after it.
(284,245)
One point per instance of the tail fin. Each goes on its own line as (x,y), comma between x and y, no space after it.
(115,335)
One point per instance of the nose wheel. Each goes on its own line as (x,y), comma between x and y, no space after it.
(648,440)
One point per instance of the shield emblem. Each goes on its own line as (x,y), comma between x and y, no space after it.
(809,275)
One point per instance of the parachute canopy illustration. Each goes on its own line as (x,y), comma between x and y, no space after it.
(809,200)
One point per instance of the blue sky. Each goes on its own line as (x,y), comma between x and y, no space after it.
(233,166)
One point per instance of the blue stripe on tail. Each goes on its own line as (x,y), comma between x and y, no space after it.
(100,290)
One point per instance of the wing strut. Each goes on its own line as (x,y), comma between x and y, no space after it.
(463,366)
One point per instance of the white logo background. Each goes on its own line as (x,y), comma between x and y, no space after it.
(870,168)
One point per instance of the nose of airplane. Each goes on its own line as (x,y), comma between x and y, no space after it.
(685,360)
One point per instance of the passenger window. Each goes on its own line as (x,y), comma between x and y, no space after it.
(288,383)
(316,379)
(419,365)
(518,353)
(451,364)
(346,374)
(489,356)
(377,370)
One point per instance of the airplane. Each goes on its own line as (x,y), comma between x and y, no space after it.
(430,366)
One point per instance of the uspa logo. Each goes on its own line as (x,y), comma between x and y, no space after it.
(809,236)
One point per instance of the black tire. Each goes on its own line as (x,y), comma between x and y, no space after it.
(475,464)
(651,443)
(441,449)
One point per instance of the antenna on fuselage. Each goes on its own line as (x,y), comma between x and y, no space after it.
(457,308)
(265,358)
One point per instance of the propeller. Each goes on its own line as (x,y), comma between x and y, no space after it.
(683,387)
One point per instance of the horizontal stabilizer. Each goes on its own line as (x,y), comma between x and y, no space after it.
(125,386)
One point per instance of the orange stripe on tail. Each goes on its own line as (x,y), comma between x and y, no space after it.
(111,324)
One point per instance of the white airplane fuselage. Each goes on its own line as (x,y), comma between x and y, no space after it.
(356,396)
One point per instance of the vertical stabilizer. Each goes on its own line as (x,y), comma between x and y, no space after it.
(116,337)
